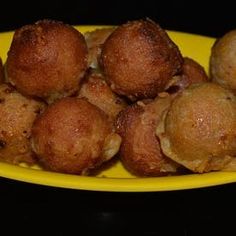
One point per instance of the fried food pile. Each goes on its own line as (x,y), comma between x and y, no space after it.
(71,102)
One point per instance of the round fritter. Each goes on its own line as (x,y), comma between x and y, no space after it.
(95,40)
(192,73)
(1,72)
(47,60)
(73,136)
(95,89)
(139,58)
(17,114)
(223,61)
(199,130)
(140,150)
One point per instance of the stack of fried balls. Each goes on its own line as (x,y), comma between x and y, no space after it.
(71,102)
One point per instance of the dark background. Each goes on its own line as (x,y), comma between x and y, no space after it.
(211,18)
(55,211)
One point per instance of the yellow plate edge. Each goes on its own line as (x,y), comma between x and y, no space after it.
(116,184)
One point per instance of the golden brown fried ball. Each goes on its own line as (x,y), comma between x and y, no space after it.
(73,136)
(97,92)
(192,73)
(1,72)
(139,58)
(17,114)
(47,60)
(199,130)
(95,40)
(223,61)
(140,150)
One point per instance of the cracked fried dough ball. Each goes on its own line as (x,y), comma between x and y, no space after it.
(199,130)
(223,61)
(192,73)
(17,114)
(95,40)
(47,60)
(140,150)
(1,72)
(73,136)
(139,58)
(97,92)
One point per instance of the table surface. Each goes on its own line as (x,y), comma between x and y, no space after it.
(205,211)
(59,211)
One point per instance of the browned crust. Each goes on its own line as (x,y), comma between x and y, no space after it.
(192,72)
(1,72)
(139,58)
(140,150)
(95,40)
(69,136)
(199,130)
(17,114)
(222,61)
(95,89)
(47,59)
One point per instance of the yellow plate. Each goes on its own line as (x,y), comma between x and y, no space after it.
(116,178)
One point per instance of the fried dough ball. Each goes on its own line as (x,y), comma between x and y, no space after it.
(140,150)
(1,72)
(139,58)
(73,136)
(95,40)
(97,92)
(192,73)
(47,60)
(199,130)
(223,61)
(17,114)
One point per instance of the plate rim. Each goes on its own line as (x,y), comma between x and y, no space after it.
(93,183)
